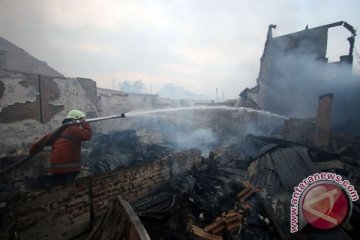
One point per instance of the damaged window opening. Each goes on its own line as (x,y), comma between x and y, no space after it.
(181,169)
(337,46)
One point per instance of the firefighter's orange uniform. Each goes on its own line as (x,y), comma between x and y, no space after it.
(66,149)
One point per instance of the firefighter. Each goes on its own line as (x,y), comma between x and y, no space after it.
(65,158)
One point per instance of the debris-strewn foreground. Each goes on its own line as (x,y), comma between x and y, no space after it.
(187,173)
(240,191)
(219,200)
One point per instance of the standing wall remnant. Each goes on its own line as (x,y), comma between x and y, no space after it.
(32,105)
(295,71)
(64,211)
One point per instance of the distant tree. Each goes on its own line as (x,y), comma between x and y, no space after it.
(132,86)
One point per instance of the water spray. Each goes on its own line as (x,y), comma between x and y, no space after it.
(59,130)
(177,109)
(54,136)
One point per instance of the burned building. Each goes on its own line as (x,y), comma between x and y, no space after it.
(205,172)
(34,99)
(295,71)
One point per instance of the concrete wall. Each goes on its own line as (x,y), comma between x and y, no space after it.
(32,105)
(61,212)
(295,71)
(115,102)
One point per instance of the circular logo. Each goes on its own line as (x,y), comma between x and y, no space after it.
(325,206)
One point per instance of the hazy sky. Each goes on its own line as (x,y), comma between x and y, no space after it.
(200,45)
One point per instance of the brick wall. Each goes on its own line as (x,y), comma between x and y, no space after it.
(61,212)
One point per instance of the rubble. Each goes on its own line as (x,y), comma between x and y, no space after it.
(210,202)
(240,191)
(119,149)
(216,202)
(69,209)
(119,221)
(202,234)
(207,174)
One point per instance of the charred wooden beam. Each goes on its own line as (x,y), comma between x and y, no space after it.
(245,194)
(120,222)
(215,227)
(201,234)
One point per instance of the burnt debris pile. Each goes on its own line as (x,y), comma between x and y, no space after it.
(119,149)
(206,172)
(244,190)
(211,202)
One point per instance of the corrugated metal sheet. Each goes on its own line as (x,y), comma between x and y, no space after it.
(281,169)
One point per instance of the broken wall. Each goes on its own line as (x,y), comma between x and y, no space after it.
(62,212)
(114,102)
(32,105)
(294,72)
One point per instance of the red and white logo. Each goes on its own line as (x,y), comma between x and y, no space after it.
(325,206)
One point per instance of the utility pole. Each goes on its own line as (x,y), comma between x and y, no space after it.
(217,99)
